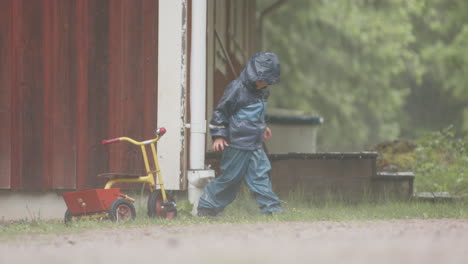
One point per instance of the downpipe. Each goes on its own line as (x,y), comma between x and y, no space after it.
(197,179)
(197,174)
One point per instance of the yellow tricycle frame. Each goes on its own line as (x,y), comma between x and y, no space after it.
(149,178)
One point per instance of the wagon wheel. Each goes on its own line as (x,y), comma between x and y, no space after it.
(157,207)
(67,218)
(122,210)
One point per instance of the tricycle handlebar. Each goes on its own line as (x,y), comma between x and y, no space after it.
(109,141)
(159,133)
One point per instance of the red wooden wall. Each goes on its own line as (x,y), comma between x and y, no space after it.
(244,18)
(73,72)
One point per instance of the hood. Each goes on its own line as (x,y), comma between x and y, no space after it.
(262,67)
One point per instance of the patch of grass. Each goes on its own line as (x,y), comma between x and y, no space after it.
(298,209)
(245,210)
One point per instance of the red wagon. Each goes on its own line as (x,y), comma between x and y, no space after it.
(99,203)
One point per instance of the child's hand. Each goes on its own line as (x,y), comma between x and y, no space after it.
(267,134)
(219,144)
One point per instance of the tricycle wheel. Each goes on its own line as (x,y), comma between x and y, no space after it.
(158,208)
(67,218)
(122,210)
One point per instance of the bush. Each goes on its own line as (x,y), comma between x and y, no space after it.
(395,156)
(441,163)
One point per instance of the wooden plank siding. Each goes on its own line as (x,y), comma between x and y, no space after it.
(74,72)
(242,14)
(30,81)
(60,89)
(82,52)
(5,92)
(97,86)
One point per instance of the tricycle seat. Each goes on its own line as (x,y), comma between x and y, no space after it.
(112,175)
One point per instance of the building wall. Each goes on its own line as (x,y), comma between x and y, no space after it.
(231,42)
(235,26)
(74,72)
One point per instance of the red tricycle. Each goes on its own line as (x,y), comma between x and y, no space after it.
(109,203)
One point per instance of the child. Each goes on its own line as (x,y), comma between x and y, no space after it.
(238,127)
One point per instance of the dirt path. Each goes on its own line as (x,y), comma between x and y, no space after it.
(413,241)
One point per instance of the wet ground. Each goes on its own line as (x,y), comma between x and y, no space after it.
(411,241)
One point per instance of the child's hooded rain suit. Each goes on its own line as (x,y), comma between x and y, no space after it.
(240,119)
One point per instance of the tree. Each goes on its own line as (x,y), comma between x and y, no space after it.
(440,98)
(344,60)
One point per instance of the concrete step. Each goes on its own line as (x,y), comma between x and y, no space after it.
(435,197)
(393,185)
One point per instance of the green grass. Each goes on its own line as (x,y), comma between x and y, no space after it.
(245,210)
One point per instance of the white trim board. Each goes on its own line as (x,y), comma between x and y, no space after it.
(172,82)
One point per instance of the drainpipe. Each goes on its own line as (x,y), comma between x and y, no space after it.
(198,176)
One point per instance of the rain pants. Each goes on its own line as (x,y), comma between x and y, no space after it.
(240,119)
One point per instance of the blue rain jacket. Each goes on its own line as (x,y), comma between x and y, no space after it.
(240,115)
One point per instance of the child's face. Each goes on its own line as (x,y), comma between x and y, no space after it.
(261,85)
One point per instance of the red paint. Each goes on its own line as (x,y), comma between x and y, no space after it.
(31,80)
(161,131)
(160,212)
(82,24)
(110,141)
(133,84)
(16,96)
(97,157)
(49,46)
(150,60)
(90,201)
(78,71)
(128,105)
(5,93)
(116,63)
(63,128)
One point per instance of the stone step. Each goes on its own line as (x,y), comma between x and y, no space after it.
(396,185)
(435,197)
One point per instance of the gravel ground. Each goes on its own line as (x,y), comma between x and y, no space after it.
(410,241)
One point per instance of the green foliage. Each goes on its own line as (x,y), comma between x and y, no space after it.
(341,60)
(442,163)
(439,160)
(442,27)
(440,98)
(375,70)
(397,155)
